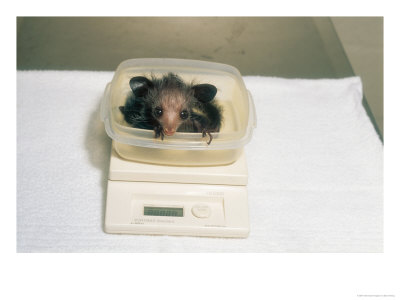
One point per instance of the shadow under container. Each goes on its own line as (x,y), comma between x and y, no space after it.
(183,148)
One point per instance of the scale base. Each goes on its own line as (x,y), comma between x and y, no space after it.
(192,201)
(177,209)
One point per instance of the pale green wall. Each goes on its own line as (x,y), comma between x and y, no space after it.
(278,46)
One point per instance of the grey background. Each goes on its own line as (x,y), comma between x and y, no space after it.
(292,47)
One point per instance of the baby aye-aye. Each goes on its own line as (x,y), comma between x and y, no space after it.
(168,105)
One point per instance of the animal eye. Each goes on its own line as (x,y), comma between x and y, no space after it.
(158,111)
(184,114)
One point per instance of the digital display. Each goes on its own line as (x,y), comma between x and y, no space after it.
(163,211)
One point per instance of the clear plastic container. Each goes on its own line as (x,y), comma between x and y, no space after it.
(183,148)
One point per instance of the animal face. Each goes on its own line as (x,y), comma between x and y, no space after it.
(170,107)
(169,101)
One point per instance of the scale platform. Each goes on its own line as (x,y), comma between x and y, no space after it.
(167,200)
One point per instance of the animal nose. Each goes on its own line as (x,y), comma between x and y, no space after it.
(169,131)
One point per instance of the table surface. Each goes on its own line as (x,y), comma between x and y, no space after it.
(314,163)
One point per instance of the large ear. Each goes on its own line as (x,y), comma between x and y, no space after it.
(140,85)
(204,92)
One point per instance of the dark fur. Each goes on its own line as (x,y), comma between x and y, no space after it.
(204,114)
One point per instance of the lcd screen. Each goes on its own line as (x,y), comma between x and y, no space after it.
(163,211)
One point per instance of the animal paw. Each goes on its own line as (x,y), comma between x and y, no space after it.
(204,133)
(158,132)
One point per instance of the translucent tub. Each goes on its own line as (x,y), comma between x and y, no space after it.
(183,148)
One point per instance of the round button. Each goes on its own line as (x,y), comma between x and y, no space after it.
(201,211)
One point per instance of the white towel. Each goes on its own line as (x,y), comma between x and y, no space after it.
(315,169)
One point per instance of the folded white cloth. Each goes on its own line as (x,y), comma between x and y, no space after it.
(315,169)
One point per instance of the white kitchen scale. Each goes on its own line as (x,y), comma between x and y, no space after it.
(173,200)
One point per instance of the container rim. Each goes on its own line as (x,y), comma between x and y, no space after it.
(176,141)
